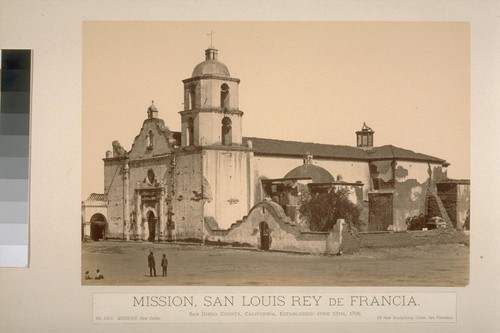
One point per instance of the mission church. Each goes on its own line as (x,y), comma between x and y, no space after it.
(208,182)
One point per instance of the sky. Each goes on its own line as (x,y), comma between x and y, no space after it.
(301,81)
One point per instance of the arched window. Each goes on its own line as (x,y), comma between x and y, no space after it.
(192,104)
(226,136)
(190,132)
(150,140)
(224,96)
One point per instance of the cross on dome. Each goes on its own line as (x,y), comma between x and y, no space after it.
(211,34)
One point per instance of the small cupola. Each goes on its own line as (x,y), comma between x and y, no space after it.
(211,53)
(152,111)
(364,137)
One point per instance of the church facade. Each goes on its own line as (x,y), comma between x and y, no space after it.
(208,182)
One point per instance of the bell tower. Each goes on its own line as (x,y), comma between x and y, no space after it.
(211,116)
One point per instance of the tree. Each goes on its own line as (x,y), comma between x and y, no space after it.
(323,209)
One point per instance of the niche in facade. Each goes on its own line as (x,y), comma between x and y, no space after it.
(151,177)
(150,140)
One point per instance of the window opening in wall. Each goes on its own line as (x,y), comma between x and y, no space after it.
(191,98)
(226,131)
(224,96)
(190,132)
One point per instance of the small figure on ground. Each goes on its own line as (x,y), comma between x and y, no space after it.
(98,275)
(87,276)
(164,264)
(151,264)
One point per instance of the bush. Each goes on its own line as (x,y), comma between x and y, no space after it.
(416,222)
(322,210)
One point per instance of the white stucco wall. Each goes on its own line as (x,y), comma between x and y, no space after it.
(210,128)
(210,94)
(227,175)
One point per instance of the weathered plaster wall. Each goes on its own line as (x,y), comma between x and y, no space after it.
(412,170)
(138,170)
(113,179)
(409,181)
(162,140)
(139,181)
(227,175)
(184,129)
(286,235)
(382,170)
(187,202)
(210,129)
(89,208)
(412,180)
(209,94)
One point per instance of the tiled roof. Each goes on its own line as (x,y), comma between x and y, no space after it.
(392,152)
(97,197)
(298,149)
(294,148)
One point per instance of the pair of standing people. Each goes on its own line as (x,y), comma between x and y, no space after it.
(152,264)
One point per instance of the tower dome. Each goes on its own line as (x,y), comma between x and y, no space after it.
(316,173)
(309,170)
(211,66)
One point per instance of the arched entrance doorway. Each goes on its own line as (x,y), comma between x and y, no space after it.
(265,236)
(97,227)
(151,225)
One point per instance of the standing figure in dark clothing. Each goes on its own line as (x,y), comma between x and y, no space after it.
(164,264)
(151,264)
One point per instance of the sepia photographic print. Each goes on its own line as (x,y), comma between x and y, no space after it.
(215,166)
(275,154)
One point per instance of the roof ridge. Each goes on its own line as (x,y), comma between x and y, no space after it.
(333,151)
(301,142)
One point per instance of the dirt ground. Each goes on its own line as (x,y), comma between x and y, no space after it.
(125,263)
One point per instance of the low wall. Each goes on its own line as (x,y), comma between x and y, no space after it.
(410,238)
(288,236)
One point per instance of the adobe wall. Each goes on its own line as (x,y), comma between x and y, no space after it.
(226,185)
(409,182)
(410,238)
(286,236)
(113,187)
(187,203)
